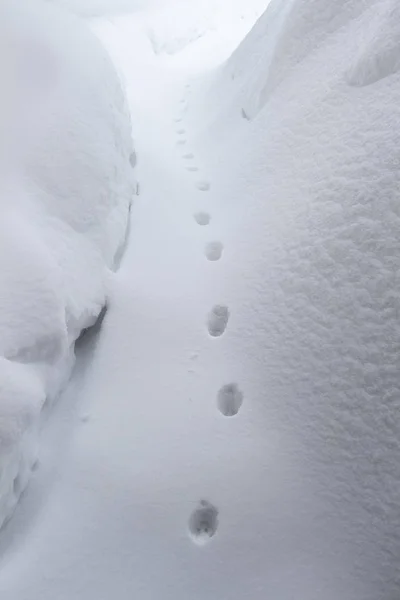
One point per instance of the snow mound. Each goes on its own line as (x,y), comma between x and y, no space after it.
(305,115)
(66,185)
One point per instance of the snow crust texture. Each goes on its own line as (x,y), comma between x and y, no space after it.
(309,102)
(66,186)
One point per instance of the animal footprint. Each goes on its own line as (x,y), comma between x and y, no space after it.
(188,156)
(178,120)
(181,131)
(181,142)
(218,320)
(229,400)
(192,169)
(204,186)
(133,159)
(214,251)
(203,523)
(202,218)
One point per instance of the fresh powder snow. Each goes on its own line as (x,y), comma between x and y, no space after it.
(231,427)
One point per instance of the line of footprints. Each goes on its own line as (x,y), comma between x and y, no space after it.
(203,522)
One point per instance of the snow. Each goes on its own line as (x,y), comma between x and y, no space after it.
(232,430)
(65,194)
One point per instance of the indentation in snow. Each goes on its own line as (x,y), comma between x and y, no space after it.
(218,320)
(203,186)
(214,250)
(132,159)
(203,523)
(202,218)
(229,400)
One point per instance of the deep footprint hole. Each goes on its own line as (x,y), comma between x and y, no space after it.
(214,251)
(202,218)
(218,320)
(203,523)
(229,400)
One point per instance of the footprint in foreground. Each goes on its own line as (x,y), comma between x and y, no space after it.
(202,218)
(203,186)
(229,400)
(203,523)
(214,251)
(218,320)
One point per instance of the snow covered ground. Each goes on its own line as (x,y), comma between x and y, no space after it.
(232,432)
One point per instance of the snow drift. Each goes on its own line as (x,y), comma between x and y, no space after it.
(66,185)
(305,115)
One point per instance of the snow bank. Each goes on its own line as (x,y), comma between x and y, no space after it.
(304,122)
(66,186)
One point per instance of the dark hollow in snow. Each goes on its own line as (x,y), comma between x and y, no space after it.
(229,400)
(203,186)
(218,320)
(213,251)
(203,523)
(202,218)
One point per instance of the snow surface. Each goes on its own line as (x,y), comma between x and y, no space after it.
(233,430)
(66,187)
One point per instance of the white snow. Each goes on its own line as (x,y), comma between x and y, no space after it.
(66,186)
(232,432)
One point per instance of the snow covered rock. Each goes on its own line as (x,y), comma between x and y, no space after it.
(66,186)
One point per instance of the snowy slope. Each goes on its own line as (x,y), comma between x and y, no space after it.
(305,115)
(66,186)
(235,433)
